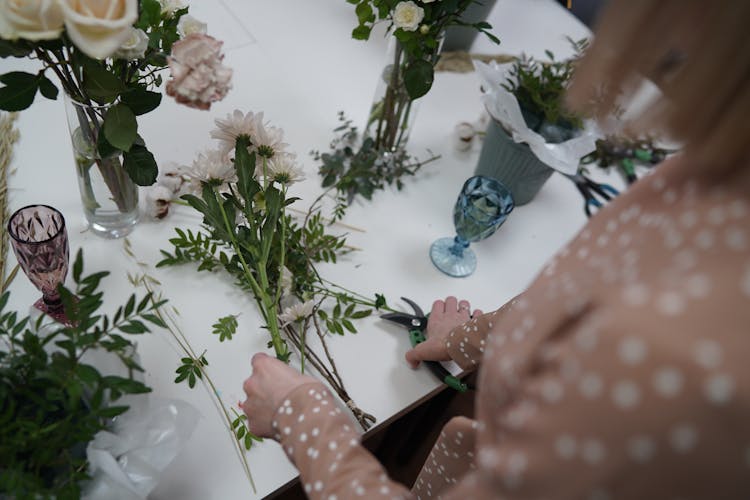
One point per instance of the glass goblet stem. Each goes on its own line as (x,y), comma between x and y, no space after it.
(459,245)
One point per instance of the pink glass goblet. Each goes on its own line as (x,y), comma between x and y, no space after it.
(40,243)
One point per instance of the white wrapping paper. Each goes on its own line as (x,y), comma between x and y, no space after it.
(127,461)
(503,107)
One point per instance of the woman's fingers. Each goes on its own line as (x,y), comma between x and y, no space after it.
(451,304)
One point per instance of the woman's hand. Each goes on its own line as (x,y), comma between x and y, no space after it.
(444,317)
(265,389)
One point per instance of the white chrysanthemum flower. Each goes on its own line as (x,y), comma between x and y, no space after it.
(213,167)
(297,312)
(187,25)
(267,141)
(407,16)
(284,169)
(233,126)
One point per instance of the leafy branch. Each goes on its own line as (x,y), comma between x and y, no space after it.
(53,401)
(358,167)
(193,366)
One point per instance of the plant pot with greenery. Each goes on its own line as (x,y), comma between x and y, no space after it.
(531,134)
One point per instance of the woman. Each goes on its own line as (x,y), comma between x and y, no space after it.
(620,372)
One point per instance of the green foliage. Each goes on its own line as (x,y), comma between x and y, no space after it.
(191,369)
(540,88)
(242,431)
(225,327)
(95,82)
(52,402)
(361,169)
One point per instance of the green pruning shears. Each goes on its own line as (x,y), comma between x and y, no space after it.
(417,324)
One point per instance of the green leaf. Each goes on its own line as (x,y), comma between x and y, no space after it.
(78,266)
(361,32)
(120,127)
(47,88)
(19,91)
(135,327)
(155,320)
(104,148)
(225,327)
(113,411)
(150,14)
(17,48)
(141,101)
(418,78)
(130,306)
(379,300)
(140,165)
(100,83)
(364,13)
(87,373)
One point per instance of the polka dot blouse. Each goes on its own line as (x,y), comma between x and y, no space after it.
(623,372)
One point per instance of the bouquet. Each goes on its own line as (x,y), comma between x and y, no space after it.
(107,56)
(241,189)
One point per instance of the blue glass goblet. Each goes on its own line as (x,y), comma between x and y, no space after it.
(482,207)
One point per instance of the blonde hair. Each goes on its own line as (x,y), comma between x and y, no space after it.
(697,52)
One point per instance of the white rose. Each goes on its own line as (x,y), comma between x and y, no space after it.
(407,16)
(30,19)
(168,7)
(187,25)
(99,27)
(134,46)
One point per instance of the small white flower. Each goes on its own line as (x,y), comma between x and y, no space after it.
(297,312)
(213,167)
(233,126)
(267,140)
(169,7)
(407,16)
(134,47)
(187,25)
(284,169)
(158,201)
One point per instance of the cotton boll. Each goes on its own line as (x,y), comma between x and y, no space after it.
(463,136)
(158,200)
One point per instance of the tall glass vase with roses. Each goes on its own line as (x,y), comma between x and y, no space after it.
(107,56)
(418,29)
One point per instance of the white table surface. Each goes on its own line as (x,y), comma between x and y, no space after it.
(295,61)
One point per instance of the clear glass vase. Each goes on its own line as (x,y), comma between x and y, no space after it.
(393,111)
(108,195)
